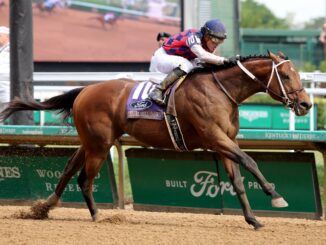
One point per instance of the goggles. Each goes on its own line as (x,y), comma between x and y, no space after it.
(216,39)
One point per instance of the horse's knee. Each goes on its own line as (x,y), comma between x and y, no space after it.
(247,162)
(238,186)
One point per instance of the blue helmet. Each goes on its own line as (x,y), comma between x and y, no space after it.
(214,28)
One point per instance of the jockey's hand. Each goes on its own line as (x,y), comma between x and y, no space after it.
(232,60)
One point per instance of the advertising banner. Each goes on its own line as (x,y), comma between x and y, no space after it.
(197,180)
(257,116)
(31,174)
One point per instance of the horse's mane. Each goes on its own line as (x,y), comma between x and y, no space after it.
(209,67)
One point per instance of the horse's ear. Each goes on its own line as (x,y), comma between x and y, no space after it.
(282,55)
(273,57)
(268,52)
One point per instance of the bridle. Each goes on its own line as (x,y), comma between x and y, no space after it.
(284,96)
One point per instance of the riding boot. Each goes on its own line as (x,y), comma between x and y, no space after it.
(157,92)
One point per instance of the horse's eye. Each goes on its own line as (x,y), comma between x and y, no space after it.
(285,77)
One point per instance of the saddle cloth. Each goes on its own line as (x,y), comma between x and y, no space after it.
(139,105)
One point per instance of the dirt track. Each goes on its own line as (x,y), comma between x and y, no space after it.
(70,35)
(73,226)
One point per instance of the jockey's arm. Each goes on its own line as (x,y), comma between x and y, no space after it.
(205,56)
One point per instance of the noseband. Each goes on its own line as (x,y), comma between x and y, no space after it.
(284,96)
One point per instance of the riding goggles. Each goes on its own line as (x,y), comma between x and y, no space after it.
(216,40)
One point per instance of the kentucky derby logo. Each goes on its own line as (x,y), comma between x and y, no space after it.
(141,105)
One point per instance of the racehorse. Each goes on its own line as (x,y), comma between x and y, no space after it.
(45,6)
(207,107)
(109,18)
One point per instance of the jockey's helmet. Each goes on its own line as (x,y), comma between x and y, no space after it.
(215,29)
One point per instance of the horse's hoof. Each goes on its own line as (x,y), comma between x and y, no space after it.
(258,226)
(254,223)
(279,203)
(95,217)
(52,200)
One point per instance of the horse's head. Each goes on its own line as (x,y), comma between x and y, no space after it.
(285,85)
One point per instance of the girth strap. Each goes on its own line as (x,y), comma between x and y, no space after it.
(175,132)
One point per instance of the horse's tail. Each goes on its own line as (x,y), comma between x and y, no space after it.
(63,103)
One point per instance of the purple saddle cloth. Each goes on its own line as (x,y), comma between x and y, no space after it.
(139,105)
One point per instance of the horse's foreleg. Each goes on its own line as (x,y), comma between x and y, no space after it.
(86,178)
(227,148)
(251,165)
(233,171)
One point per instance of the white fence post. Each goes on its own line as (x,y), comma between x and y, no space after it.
(312,110)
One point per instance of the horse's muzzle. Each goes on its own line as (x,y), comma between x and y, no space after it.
(301,108)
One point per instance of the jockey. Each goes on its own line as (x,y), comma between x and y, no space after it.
(49,4)
(182,52)
(109,16)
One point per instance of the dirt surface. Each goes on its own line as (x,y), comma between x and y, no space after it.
(71,35)
(74,226)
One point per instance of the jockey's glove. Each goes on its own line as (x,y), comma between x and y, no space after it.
(232,60)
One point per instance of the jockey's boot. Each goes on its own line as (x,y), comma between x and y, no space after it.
(157,92)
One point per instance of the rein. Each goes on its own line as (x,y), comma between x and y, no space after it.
(224,89)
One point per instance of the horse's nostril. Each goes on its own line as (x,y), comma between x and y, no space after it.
(306,105)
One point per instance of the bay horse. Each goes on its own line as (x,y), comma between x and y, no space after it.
(207,108)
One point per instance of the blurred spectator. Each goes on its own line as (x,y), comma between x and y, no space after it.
(4,66)
(322,39)
(161,37)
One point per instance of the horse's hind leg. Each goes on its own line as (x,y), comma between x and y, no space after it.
(73,165)
(233,171)
(85,180)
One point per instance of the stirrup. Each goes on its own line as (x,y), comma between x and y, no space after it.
(157,96)
(159,101)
